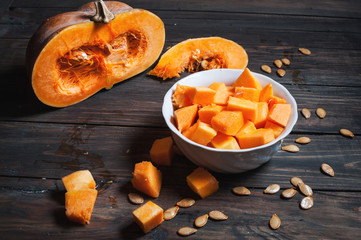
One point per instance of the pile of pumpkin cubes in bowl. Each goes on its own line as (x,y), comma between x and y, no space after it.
(240,116)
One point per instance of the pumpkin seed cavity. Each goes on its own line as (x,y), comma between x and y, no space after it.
(81,68)
(199,61)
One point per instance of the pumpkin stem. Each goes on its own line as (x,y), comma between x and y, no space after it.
(103,14)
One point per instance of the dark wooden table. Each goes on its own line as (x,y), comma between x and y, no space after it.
(113,130)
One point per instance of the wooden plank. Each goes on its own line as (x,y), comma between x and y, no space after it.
(35,16)
(40,215)
(332,8)
(145,95)
(110,152)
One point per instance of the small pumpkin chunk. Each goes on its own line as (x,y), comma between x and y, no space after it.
(246,79)
(202,182)
(202,95)
(82,179)
(189,132)
(147,179)
(274,100)
(277,129)
(228,122)
(148,216)
(79,205)
(208,112)
(203,133)
(257,138)
(280,114)
(251,94)
(266,93)
(248,127)
(180,97)
(247,107)
(261,116)
(223,141)
(222,93)
(162,151)
(184,117)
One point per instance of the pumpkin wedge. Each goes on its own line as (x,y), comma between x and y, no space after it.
(71,57)
(200,54)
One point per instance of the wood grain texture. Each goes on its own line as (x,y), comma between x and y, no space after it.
(110,153)
(248,215)
(113,130)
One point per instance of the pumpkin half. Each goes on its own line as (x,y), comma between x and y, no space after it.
(200,54)
(70,57)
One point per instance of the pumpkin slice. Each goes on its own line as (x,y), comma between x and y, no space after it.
(70,57)
(200,54)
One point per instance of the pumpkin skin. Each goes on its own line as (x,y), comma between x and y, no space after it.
(190,54)
(70,57)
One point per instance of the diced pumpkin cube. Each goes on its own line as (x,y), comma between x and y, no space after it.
(261,116)
(147,179)
(180,97)
(148,216)
(202,182)
(247,107)
(251,94)
(162,151)
(247,80)
(184,117)
(206,113)
(189,132)
(266,93)
(79,205)
(274,100)
(256,138)
(277,129)
(230,90)
(223,141)
(203,133)
(280,114)
(222,93)
(248,127)
(228,122)
(202,95)
(82,179)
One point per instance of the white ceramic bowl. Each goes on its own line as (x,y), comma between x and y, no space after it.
(222,160)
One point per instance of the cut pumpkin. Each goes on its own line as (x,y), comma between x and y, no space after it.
(200,54)
(70,57)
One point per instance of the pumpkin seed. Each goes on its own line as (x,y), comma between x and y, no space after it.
(275,222)
(186,202)
(306,113)
(204,64)
(272,189)
(289,193)
(305,51)
(306,203)
(286,61)
(281,72)
(266,68)
(170,213)
(241,191)
(303,140)
(327,169)
(295,181)
(277,63)
(291,148)
(346,133)
(201,220)
(217,215)
(321,113)
(135,198)
(305,189)
(186,231)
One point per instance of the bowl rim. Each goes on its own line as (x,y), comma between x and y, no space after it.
(285,133)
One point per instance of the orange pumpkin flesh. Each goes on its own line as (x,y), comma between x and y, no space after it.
(200,54)
(70,57)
